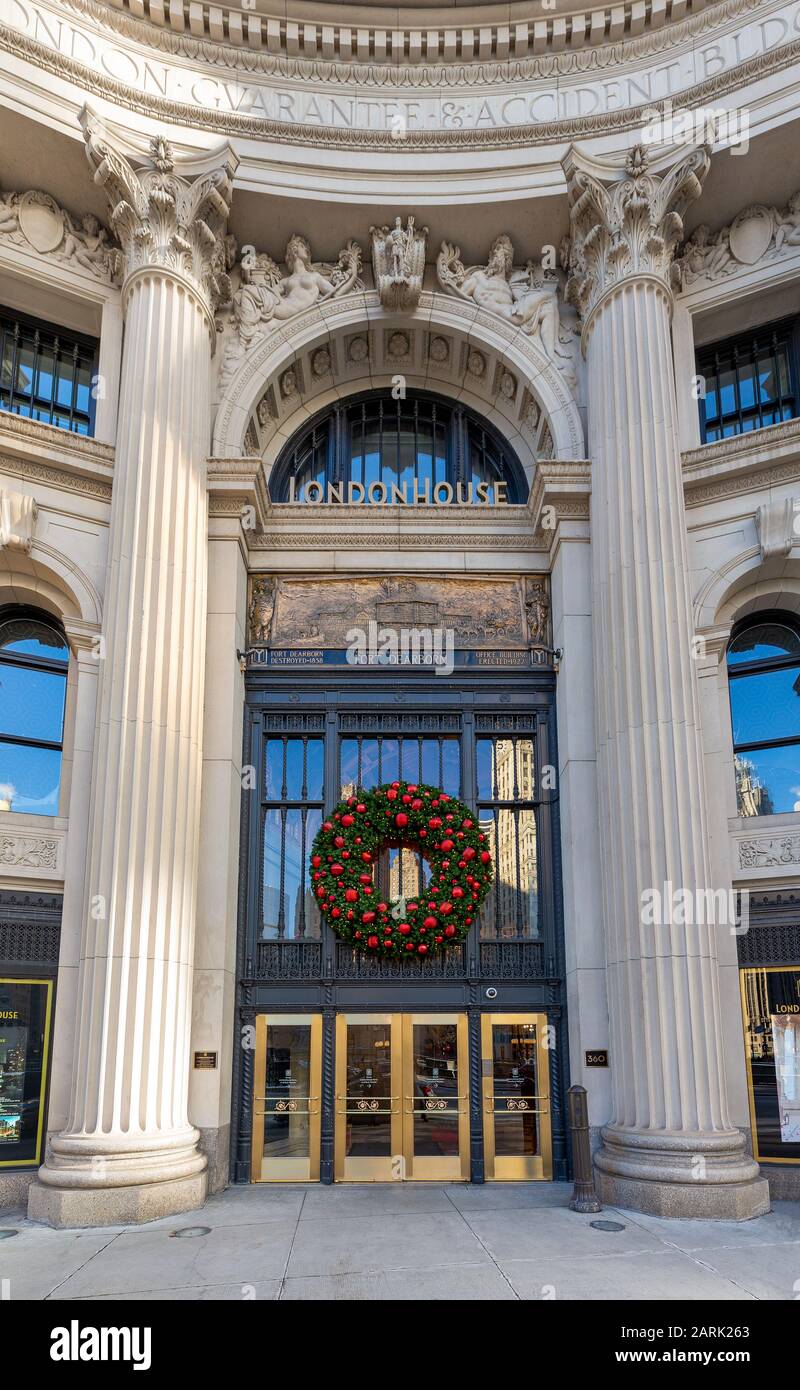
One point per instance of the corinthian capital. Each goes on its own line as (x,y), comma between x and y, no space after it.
(628,226)
(160,217)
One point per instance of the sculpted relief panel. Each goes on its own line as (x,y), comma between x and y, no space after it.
(489,614)
(758,233)
(34,221)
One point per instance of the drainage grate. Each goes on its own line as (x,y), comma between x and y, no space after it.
(186,1232)
(607,1225)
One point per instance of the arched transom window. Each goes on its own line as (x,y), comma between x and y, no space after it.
(376,450)
(33,680)
(764,675)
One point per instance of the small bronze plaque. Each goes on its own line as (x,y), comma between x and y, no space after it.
(598,1057)
(205,1061)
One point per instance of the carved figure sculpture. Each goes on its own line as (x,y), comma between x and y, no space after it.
(398,262)
(527,297)
(263,594)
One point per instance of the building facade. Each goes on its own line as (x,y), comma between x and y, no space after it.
(412,402)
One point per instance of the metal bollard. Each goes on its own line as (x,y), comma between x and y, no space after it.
(584,1198)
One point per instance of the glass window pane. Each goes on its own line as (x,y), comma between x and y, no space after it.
(390,760)
(31,703)
(766,705)
(315,768)
(294,768)
(451,766)
(288,1089)
(348,755)
(29,779)
(763,641)
(484,749)
(430,761)
(271,913)
(768,780)
(369,762)
(294,876)
(747,385)
(369,1090)
(727,387)
(274,769)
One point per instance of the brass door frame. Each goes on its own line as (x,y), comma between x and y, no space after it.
(401,1163)
(348,1169)
(516,1168)
(287,1169)
(448,1168)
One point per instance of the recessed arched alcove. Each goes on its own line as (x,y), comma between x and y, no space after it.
(351,346)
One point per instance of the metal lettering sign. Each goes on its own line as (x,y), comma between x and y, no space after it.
(205,1061)
(598,1057)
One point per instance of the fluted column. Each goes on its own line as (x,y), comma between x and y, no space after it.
(128,1151)
(670,1147)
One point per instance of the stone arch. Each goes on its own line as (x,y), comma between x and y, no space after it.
(747,584)
(45,578)
(345,346)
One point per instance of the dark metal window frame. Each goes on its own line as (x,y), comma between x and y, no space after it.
(63,344)
(748,348)
(321,974)
(35,663)
(462,430)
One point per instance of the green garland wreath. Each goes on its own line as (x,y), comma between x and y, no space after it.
(442,829)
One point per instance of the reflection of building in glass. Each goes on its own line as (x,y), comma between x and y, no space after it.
(759,1033)
(752,798)
(511,910)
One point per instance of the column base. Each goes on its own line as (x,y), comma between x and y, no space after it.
(115,1206)
(706,1176)
(704,1202)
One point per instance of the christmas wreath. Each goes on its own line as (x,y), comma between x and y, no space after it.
(443,830)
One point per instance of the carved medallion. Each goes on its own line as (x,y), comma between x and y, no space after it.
(751,234)
(42,221)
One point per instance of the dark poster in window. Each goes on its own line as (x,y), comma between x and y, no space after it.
(771,1001)
(25,1013)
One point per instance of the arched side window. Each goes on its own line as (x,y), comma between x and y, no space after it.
(33,683)
(764,682)
(375,449)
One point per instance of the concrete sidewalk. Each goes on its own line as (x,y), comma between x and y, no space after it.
(514,1241)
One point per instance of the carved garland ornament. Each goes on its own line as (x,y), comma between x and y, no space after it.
(440,828)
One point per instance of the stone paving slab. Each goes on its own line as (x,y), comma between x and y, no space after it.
(393,1242)
(652,1275)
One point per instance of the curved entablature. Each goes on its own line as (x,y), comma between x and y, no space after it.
(483,32)
(349,345)
(520,86)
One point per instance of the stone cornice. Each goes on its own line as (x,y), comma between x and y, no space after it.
(56,444)
(745,463)
(195,116)
(290,527)
(55,458)
(482,49)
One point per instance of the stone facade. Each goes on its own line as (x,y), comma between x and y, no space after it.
(478,211)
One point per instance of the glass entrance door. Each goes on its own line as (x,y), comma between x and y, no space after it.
(516,1097)
(286,1112)
(401,1097)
